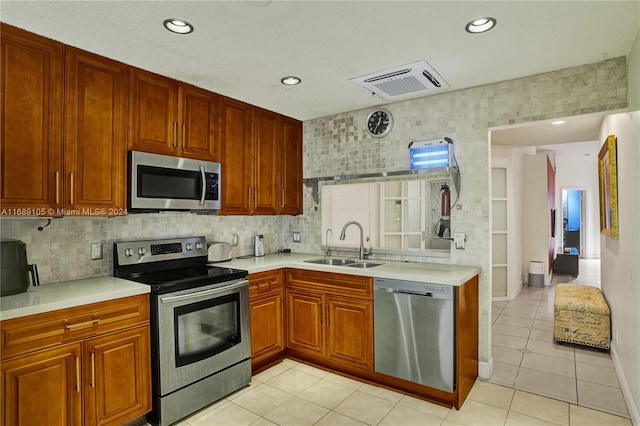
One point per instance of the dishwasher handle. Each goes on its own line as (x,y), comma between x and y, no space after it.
(403,291)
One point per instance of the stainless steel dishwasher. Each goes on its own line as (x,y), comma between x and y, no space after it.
(414,332)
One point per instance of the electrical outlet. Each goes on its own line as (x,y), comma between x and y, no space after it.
(234,240)
(297,236)
(96,251)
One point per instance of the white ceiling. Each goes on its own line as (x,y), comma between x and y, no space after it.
(241,48)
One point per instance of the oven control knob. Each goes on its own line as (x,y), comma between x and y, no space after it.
(142,251)
(198,246)
(188,247)
(128,252)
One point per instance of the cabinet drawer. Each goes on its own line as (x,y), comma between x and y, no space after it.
(340,284)
(265,282)
(21,335)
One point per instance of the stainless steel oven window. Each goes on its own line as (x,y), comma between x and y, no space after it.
(206,328)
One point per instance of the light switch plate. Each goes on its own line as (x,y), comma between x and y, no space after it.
(297,236)
(459,240)
(234,240)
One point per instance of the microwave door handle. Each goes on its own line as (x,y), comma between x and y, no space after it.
(204,185)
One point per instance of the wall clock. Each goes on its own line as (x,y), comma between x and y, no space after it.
(379,123)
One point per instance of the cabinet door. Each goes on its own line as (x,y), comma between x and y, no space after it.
(266,133)
(305,332)
(95,133)
(266,326)
(43,388)
(350,331)
(236,157)
(153,117)
(117,377)
(199,131)
(290,165)
(31,111)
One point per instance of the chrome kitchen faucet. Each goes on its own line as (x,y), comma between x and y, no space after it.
(343,236)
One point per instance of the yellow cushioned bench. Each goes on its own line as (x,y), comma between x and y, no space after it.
(581,316)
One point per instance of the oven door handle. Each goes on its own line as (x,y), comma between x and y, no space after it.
(169,299)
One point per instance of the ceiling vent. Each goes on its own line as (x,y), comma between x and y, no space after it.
(414,79)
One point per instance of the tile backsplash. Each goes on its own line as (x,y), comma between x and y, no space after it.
(62,250)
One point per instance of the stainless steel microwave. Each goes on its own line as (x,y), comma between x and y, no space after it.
(162,182)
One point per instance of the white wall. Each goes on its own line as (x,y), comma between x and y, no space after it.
(580,173)
(536,218)
(633,73)
(620,259)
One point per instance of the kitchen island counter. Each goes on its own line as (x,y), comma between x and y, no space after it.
(68,294)
(454,275)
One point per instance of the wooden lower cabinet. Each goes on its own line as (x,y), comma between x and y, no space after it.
(266,309)
(117,377)
(335,328)
(80,375)
(43,387)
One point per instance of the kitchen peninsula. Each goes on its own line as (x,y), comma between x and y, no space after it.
(324,315)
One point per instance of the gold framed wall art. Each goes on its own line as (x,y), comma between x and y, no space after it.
(608,187)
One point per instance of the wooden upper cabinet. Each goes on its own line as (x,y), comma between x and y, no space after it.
(266,134)
(153,117)
(236,157)
(95,138)
(31,110)
(290,167)
(172,118)
(199,123)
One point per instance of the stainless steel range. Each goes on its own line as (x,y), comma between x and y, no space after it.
(199,323)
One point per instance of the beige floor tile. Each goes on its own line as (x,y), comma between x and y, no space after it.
(544,335)
(601,397)
(263,422)
(380,392)
(511,330)
(506,355)
(272,372)
(262,399)
(550,348)
(547,384)
(326,393)
(424,406)
(344,381)
(593,356)
(520,310)
(517,419)
(312,371)
(254,384)
(504,374)
(582,416)
(492,394)
(597,374)
(293,381)
(550,364)
(509,319)
(511,342)
(337,419)
(366,408)
(407,416)
(543,324)
(226,414)
(547,409)
(478,413)
(296,412)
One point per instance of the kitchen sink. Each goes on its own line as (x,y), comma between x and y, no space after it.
(364,264)
(343,262)
(331,261)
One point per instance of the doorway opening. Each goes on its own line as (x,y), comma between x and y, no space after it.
(573,221)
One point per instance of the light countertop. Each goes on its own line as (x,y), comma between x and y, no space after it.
(413,271)
(62,295)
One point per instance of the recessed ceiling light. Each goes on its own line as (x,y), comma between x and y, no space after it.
(178,26)
(480,25)
(558,122)
(290,80)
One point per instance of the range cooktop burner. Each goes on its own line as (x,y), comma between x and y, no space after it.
(169,265)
